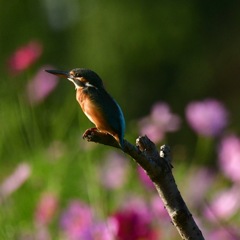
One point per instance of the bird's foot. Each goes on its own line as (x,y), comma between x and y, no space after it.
(88,134)
(94,135)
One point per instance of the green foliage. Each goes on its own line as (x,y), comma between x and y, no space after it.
(145,51)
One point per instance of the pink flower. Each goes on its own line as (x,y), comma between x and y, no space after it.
(24,57)
(78,223)
(160,121)
(76,220)
(224,233)
(229,157)
(41,86)
(145,178)
(134,222)
(46,208)
(158,210)
(203,179)
(224,205)
(208,117)
(15,180)
(113,173)
(100,231)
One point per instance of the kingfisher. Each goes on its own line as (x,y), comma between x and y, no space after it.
(97,104)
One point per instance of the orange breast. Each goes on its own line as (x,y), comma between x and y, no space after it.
(93,112)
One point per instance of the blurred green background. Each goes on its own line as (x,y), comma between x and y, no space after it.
(145,51)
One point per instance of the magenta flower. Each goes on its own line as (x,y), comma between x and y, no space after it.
(134,222)
(208,117)
(229,157)
(145,178)
(113,173)
(24,57)
(224,205)
(160,121)
(41,86)
(46,208)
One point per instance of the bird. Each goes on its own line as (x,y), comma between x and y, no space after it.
(96,103)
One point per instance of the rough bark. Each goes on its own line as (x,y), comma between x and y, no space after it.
(159,169)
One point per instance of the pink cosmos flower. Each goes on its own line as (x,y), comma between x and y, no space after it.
(100,231)
(15,180)
(24,57)
(229,157)
(198,185)
(145,178)
(113,173)
(46,208)
(76,219)
(208,117)
(160,121)
(158,210)
(224,233)
(224,205)
(78,223)
(41,86)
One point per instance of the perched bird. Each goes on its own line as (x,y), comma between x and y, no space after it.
(95,101)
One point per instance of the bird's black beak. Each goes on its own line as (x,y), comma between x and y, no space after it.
(67,75)
(59,73)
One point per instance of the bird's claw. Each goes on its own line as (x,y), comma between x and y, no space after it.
(88,134)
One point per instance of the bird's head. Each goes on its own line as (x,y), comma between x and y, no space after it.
(81,78)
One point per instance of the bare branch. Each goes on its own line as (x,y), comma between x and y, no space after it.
(159,169)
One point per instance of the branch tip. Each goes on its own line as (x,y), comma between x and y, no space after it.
(158,167)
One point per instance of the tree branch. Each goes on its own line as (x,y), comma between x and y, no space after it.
(159,169)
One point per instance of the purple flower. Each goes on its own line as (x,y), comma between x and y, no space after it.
(134,222)
(224,205)
(113,173)
(208,117)
(41,86)
(229,157)
(76,220)
(24,57)
(160,121)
